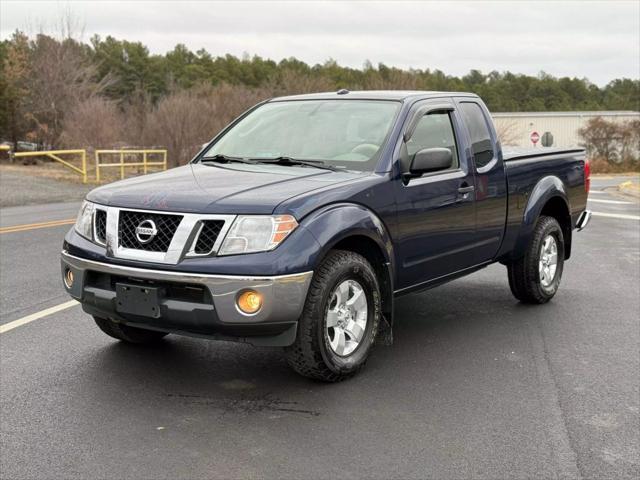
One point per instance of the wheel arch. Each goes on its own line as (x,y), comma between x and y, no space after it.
(548,197)
(355,228)
(557,208)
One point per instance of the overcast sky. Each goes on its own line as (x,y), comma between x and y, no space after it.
(596,40)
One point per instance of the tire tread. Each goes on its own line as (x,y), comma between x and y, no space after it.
(523,273)
(305,355)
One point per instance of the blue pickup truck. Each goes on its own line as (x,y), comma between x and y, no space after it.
(303,221)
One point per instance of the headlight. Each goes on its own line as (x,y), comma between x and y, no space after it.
(257,233)
(84,222)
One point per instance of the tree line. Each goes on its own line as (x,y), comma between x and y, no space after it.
(60,91)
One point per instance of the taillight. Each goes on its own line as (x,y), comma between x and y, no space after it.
(587,175)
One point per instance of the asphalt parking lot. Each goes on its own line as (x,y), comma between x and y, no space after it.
(475,385)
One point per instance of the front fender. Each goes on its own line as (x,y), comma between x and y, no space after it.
(336,222)
(546,189)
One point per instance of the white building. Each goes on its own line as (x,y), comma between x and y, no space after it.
(516,128)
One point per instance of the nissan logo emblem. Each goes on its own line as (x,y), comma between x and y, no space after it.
(146,231)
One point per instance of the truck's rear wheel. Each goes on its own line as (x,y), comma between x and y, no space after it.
(535,277)
(127,333)
(340,319)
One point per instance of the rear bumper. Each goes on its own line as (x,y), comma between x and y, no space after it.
(194,304)
(583,220)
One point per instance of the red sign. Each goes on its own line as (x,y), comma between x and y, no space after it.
(535,137)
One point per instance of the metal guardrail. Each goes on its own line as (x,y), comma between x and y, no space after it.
(55,155)
(145,163)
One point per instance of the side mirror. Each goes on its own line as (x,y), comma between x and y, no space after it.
(431,160)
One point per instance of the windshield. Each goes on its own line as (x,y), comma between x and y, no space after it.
(342,133)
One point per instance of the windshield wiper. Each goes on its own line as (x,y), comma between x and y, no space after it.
(283,160)
(221,158)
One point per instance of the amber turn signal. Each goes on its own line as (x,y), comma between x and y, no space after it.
(284,225)
(249,301)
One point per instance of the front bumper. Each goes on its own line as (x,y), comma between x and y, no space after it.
(194,304)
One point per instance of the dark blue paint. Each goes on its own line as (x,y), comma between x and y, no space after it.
(532,182)
(426,231)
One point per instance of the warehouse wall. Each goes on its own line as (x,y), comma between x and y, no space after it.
(516,128)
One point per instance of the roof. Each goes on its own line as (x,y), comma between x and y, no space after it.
(397,95)
(602,113)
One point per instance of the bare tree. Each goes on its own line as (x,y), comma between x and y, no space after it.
(181,121)
(290,82)
(507,132)
(16,71)
(390,79)
(137,111)
(94,122)
(631,141)
(602,139)
(184,120)
(61,78)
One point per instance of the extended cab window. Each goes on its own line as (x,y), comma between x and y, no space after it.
(434,131)
(481,144)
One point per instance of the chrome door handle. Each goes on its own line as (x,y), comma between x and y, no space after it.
(466,189)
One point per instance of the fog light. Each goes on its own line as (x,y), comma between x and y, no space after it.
(68,278)
(249,301)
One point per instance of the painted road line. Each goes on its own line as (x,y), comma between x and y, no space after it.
(597,192)
(615,202)
(616,215)
(35,316)
(33,226)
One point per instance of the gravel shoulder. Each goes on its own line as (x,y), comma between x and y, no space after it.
(22,189)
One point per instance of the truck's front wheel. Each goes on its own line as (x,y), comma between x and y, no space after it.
(535,277)
(340,319)
(126,333)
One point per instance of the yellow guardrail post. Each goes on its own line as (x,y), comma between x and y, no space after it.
(121,165)
(84,166)
(97,155)
(144,160)
(55,155)
(164,159)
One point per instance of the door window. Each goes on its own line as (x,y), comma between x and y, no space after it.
(481,144)
(434,130)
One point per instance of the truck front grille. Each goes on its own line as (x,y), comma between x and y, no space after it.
(166,226)
(101,226)
(208,236)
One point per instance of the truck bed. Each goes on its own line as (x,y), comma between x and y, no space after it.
(525,169)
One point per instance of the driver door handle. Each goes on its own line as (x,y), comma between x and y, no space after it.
(464,188)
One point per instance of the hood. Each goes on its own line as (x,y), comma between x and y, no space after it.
(233,189)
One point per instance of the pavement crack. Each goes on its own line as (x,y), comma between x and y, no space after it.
(246,404)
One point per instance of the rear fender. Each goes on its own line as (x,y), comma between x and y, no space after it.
(546,189)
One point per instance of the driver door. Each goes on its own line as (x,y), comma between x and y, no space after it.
(436,212)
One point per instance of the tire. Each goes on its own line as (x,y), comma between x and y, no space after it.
(128,334)
(314,352)
(528,284)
